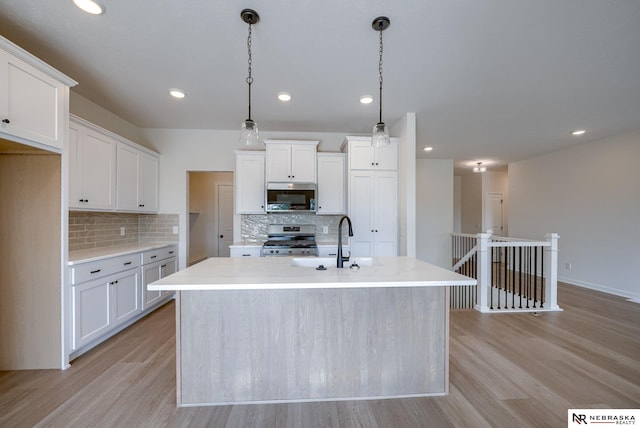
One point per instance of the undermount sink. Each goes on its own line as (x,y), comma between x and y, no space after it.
(329,262)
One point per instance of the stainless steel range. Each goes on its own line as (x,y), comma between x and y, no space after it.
(290,240)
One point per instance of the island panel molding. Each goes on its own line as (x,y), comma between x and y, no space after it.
(306,345)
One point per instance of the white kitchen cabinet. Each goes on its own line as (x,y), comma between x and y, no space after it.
(157,264)
(33,104)
(109,293)
(137,179)
(245,250)
(291,161)
(92,167)
(331,184)
(249,185)
(105,294)
(363,156)
(325,250)
(373,209)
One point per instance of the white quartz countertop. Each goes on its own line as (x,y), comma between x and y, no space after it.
(93,254)
(260,273)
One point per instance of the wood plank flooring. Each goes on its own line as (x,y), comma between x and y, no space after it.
(505,370)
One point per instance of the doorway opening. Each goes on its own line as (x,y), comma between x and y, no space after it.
(210,214)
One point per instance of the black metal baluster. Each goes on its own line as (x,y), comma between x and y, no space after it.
(521,267)
(542,283)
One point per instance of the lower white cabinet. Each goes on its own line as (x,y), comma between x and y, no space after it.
(110,293)
(245,250)
(102,304)
(154,271)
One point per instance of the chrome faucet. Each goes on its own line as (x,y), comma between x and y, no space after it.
(342,259)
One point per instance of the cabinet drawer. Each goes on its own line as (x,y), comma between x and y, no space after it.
(159,254)
(245,251)
(97,269)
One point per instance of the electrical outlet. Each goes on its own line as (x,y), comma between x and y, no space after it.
(325,229)
(567,266)
(175,230)
(122,231)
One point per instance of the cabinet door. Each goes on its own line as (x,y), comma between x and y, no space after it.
(361,155)
(127,177)
(361,213)
(126,296)
(385,208)
(34,102)
(386,157)
(167,267)
(98,170)
(76,199)
(249,183)
(303,163)
(278,162)
(150,273)
(331,185)
(148,183)
(91,311)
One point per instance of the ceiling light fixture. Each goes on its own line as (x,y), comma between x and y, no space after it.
(284,96)
(428,149)
(249,130)
(578,132)
(94,7)
(479,167)
(366,99)
(380,131)
(177,93)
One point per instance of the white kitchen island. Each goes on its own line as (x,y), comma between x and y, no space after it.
(259,330)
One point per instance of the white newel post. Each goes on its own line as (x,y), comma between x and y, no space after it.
(551,271)
(484,272)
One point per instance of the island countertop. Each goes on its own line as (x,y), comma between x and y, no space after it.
(263,273)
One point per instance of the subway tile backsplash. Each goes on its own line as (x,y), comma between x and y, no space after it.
(96,229)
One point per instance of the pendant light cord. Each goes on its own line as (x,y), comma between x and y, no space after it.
(380,73)
(249,78)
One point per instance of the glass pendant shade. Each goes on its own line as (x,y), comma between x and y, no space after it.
(249,134)
(380,135)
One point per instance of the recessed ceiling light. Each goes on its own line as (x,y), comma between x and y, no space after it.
(284,96)
(94,7)
(366,99)
(578,132)
(428,149)
(177,93)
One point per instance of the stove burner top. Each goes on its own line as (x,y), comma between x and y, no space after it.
(290,240)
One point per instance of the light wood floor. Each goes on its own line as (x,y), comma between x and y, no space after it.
(505,370)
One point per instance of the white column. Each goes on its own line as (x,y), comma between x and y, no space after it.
(551,272)
(484,272)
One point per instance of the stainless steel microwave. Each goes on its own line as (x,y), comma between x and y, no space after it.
(291,197)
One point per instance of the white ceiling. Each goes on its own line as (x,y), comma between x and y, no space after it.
(490,80)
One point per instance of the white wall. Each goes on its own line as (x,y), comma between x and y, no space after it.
(457,204)
(471,203)
(590,195)
(434,211)
(405,130)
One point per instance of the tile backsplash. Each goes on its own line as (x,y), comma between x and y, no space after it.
(254,227)
(96,229)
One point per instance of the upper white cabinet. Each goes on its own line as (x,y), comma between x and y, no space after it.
(331,184)
(249,186)
(34,102)
(363,156)
(137,179)
(108,172)
(92,168)
(291,161)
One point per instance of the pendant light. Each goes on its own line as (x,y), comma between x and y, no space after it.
(249,129)
(380,131)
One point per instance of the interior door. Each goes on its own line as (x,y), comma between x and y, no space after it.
(225,219)
(493,213)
